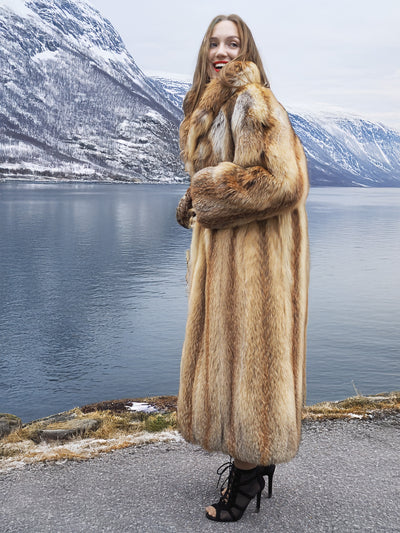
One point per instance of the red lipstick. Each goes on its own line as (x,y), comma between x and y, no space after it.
(218,65)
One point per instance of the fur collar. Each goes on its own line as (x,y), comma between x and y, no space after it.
(235,76)
(239,73)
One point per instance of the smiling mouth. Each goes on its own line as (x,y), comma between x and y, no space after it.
(218,65)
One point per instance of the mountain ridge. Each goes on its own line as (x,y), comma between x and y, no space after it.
(75,105)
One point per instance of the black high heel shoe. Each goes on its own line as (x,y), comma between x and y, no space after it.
(262,470)
(243,486)
(268,471)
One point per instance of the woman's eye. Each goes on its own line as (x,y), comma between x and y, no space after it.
(213,45)
(234,44)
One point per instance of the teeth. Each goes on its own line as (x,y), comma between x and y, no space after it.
(219,65)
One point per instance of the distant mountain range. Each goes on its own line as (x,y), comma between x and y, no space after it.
(346,151)
(74,105)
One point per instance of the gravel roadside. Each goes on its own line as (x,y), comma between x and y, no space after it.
(346,478)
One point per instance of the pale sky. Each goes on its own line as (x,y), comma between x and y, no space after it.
(321,55)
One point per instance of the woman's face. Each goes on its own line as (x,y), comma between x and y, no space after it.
(224,46)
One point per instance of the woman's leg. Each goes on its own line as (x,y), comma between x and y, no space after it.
(243,466)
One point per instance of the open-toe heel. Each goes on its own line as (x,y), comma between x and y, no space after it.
(242,487)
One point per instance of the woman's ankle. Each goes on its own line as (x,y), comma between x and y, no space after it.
(241,465)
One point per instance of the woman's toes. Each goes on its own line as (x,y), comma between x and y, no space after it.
(211,511)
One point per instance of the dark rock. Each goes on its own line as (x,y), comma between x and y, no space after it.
(8,424)
(68,429)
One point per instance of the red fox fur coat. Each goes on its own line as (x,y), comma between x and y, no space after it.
(242,383)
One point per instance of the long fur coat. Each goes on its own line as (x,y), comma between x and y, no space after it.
(242,383)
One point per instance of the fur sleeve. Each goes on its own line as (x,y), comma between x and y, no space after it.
(184,211)
(268,175)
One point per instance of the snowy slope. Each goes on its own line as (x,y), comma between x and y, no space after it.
(349,151)
(73,102)
(174,90)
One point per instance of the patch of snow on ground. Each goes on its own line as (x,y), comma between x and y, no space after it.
(155,115)
(45,56)
(109,55)
(141,406)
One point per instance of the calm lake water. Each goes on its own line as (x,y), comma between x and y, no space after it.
(93,293)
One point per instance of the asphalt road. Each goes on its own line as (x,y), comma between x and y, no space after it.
(346,478)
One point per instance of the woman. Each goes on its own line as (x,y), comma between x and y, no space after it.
(242,383)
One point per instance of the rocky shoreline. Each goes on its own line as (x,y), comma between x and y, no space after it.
(106,426)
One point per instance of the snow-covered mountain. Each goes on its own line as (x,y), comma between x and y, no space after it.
(174,90)
(349,151)
(74,104)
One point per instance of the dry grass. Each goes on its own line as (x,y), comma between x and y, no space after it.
(111,424)
(116,430)
(75,450)
(358,406)
(119,428)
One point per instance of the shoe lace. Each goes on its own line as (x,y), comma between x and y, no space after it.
(221,471)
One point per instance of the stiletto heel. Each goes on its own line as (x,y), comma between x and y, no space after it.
(268,471)
(258,504)
(242,487)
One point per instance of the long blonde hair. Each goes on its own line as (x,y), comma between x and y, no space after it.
(248,52)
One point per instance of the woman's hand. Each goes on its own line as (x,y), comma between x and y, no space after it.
(185,214)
